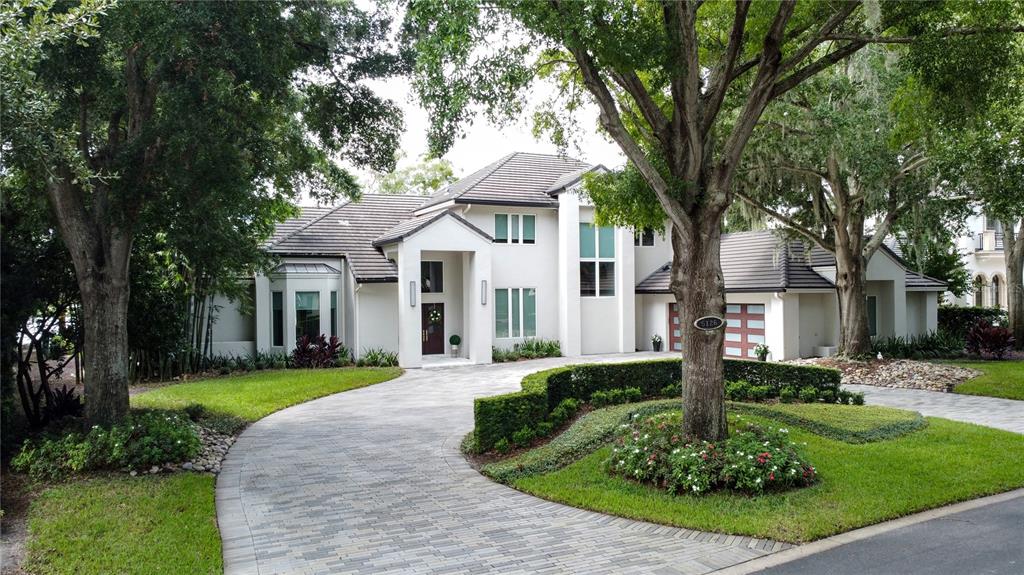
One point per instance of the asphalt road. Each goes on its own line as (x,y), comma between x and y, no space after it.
(984,541)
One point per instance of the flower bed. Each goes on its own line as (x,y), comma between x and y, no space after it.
(498,417)
(752,460)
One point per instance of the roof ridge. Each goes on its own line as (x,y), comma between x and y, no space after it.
(311,222)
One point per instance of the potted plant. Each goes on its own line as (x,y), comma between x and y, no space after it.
(656,342)
(761,351)
(455,340)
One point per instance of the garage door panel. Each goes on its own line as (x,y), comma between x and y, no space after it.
(744,329)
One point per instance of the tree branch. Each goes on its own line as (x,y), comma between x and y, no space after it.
(723,74)
(831,24)
(786,220)
(948,33)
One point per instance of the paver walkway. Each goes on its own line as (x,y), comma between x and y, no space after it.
(371,481)
(995,412)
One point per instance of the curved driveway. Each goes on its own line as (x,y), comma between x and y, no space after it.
(371,481)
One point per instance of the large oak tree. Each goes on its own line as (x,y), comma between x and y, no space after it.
(680,86)
(174,105)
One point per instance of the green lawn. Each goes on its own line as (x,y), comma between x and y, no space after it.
(165,524)
(859,484)
(144,525)
(1000,379)
(257,395)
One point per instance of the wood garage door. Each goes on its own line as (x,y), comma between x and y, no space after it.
(744,328)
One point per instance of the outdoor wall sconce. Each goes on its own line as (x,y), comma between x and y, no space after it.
(483,292)
(412,293)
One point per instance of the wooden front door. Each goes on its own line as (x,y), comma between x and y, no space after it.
(432,333)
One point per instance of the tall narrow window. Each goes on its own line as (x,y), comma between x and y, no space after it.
(334,313)
(501,228)
(514,225)
(515,312)
(597,260)
(431,277)
(529,229)
(307,314)
(277,318)
(872,315)
(501,312)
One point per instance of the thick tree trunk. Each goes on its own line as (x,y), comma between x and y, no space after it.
(855,337)
(1013,253)
(699,288)
(105,325)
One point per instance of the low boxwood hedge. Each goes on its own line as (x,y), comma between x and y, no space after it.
(498,417)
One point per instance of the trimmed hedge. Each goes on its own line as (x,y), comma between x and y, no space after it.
(498,417)
(959,320)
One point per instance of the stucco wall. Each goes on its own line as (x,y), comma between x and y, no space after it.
(377,318)
(649,258)
(819,322)
(234,333)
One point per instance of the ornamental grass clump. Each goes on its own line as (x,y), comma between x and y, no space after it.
(753,460)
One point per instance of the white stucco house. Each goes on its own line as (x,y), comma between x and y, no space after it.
(983,255)
(511,252)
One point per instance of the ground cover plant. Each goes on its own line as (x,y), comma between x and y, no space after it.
(529,349)
(999,379)
(856,485)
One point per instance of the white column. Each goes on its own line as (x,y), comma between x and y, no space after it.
(479,303)
(263,305)
(569,273)
(931,312)
(410,325)
(625,284)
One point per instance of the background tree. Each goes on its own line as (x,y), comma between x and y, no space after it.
(419,179)
(680,87)
(184,104)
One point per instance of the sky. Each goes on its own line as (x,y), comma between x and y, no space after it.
(484,142)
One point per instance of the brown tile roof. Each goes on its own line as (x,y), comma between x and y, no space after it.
(348,230)
(517,179)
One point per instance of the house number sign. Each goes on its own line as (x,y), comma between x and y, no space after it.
(709,323)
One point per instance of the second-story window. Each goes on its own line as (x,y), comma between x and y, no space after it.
(644,237)
(597,260)
(515,229)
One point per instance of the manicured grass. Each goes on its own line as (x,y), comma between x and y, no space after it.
(165,524)
(858,484)
(256,395)
(144,525)
(999,379)
(852,424)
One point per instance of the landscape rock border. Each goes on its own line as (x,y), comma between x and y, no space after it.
(898,373)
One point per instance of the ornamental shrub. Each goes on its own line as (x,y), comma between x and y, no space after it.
(787,394)
(985,339)
(378,357)
(737,390)
(752,460)
(808,394)
(827,396)
(760,392)
(524,437)
(503,446)
(958,321)
(857,398)
(141,440)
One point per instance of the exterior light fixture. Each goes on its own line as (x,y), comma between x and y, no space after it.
(412,293)
(483,292)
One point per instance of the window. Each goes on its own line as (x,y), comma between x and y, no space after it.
(872,315)
(597,260)
(979,291)
(277,318)
(997,291)
(307,314)
(515,312)
(515,228)
(644,238)
(334,313)
(431,277)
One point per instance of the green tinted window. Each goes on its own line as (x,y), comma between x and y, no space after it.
(606,239)
(501,228)
(529,223)
(530,312)
(501,312)
(587,241)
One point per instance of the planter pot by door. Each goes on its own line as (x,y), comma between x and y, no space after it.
(432,330)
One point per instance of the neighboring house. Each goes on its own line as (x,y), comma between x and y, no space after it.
(511,253)
(982,249)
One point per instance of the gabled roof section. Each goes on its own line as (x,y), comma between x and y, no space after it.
(348,230)
(518,179)
(753,262)
(915,280)
(409,227)
(570,179)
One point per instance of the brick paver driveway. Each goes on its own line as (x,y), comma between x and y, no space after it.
(371,481)
(995,412)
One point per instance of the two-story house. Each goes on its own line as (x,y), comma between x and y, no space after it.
(983,255)
(511,252)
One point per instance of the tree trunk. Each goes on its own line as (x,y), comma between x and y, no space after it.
(855,337)
(699,288)
(105,327)
(1013,253)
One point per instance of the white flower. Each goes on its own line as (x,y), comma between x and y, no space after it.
(783,430)
(750,457)
(758,480)
(622,462)
(695,488)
